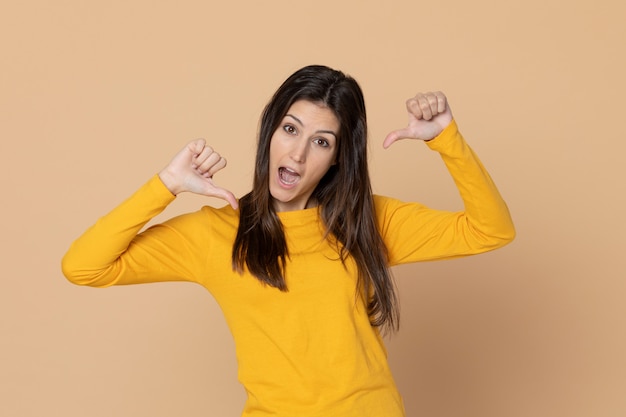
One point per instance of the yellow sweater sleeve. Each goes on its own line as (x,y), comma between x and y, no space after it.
(111,252)
(413,232)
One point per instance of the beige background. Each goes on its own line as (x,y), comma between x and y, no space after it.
(97,96)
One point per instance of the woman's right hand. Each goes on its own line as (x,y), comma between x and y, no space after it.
(192,170)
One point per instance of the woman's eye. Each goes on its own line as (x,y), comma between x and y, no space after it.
(322,142)
(290,129)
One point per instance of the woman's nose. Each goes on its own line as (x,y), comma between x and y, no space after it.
(299,151)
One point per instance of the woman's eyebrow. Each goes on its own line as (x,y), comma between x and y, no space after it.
(302,124)
(295,118)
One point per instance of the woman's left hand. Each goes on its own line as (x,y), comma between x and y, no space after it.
(429,114)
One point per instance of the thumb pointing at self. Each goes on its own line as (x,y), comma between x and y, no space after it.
(394,136)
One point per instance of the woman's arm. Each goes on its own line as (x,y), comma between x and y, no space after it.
(111,251)
(413,232)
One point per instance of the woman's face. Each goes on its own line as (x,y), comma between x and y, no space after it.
(302,150)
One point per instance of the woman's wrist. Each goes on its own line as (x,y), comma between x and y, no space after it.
(169,181)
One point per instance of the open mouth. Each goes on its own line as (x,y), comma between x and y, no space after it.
(288,176)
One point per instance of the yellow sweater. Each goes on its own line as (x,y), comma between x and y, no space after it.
(310,351)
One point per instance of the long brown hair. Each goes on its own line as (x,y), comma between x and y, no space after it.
(344,195)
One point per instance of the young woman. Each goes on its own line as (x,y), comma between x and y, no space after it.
(300,265)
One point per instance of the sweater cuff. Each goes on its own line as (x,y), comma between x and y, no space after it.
(159,190)
(445,138)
